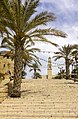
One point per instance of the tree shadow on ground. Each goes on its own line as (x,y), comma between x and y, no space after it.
(34,93)
(71,82)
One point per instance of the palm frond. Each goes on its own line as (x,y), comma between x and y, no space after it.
(29,9)
(39,20)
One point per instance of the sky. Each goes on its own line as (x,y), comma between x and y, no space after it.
(66,12)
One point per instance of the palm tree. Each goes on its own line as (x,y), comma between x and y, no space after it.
(66,53)
(2,27)
(37,75)
(75,56)
(20,27)
(75,52)
(35,68)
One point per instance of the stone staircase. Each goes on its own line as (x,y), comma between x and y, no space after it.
(43,99)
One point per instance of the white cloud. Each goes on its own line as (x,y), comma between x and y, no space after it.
(63,4)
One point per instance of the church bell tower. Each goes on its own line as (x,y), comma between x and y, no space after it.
(49,68)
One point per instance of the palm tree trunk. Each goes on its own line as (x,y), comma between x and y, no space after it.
(18,66)
(67,68)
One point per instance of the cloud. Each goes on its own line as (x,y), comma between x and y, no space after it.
(65,10)
(67,16)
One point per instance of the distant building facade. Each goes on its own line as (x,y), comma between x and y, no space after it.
(6,66)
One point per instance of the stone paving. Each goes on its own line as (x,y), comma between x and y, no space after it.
(43,99)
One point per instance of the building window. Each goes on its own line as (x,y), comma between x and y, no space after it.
(4,65)
(7,57)
(8,64)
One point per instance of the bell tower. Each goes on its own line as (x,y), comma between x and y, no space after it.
(49,68)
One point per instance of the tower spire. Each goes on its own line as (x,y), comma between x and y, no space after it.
(49,68)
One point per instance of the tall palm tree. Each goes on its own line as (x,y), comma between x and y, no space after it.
(21,25)
(66,53)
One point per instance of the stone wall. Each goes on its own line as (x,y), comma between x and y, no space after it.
(4,90)
(6,65)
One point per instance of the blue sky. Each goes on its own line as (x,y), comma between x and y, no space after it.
(66,12)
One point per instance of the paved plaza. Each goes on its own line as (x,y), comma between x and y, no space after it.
(43,99)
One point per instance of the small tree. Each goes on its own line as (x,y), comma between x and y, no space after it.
(35,68)
(37,75)
(66,53)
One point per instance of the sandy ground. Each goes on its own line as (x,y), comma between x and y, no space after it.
(43,99)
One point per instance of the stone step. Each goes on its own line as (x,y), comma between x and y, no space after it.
(3,95)
(39,107)
(4,90)
(38,118)
(1,99)
(38,113)
(53,109)
(44,102)
(4,82)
